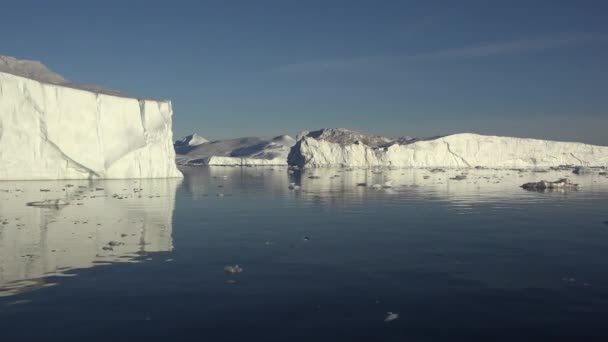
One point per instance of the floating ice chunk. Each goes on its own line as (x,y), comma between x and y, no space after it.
(582,169)
(391,316)
(230,269)
(563,184)
(51,203)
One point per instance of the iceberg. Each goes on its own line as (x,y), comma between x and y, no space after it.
(188,143)
(248,151)
(51,128)
(345,148)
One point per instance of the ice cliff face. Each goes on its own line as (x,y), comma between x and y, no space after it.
(339,148)
(237,152)
(52,129)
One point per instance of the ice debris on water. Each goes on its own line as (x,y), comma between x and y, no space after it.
(384,185)
(56,203)
(582,169)
(293,186)
(391,316)
(230,269)
(562,183)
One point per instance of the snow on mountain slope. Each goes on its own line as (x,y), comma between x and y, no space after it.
(188,143)
(50,129)
(345,148)
(241,151)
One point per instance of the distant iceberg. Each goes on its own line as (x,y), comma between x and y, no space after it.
(248,151)
(345,148)
(51,128)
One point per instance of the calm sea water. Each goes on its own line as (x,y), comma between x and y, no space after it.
(457,260)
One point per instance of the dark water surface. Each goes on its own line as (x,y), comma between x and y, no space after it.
(477,259)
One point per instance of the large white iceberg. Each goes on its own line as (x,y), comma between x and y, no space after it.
(344,148)
(254,151)
(53,129)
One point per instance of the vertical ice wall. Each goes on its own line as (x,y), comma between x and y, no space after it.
(50,131)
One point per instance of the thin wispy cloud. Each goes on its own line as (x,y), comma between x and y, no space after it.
(521,46)
(492,49)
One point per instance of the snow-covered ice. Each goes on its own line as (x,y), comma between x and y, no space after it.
(188,143)
(51,128)
(344,148)
(236,152)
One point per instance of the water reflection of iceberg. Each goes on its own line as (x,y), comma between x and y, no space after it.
(105,221)
(454,186)
(205,181)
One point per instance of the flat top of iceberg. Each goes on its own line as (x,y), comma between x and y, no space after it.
(37,71)
(345,136)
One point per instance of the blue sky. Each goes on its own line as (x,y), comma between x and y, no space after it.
(418,68)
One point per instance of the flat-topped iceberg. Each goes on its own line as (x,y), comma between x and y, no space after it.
(249,151)
(344,148)
(51,128)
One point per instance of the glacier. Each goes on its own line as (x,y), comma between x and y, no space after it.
(247,151)
(51,128)
(345,148)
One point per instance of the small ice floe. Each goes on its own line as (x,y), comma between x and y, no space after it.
(169,260)
(377,186)
(582,169)
(560,184)
(391,316)
(459,177)
(361,184)
(388,184)
(56,203)
(437,170)
(306,239)
(314,177)
(233,269)
(220,195)
(19,302)
(115,243)
(230,281)
(293,186)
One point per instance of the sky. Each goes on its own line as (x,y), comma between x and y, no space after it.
(264,68)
